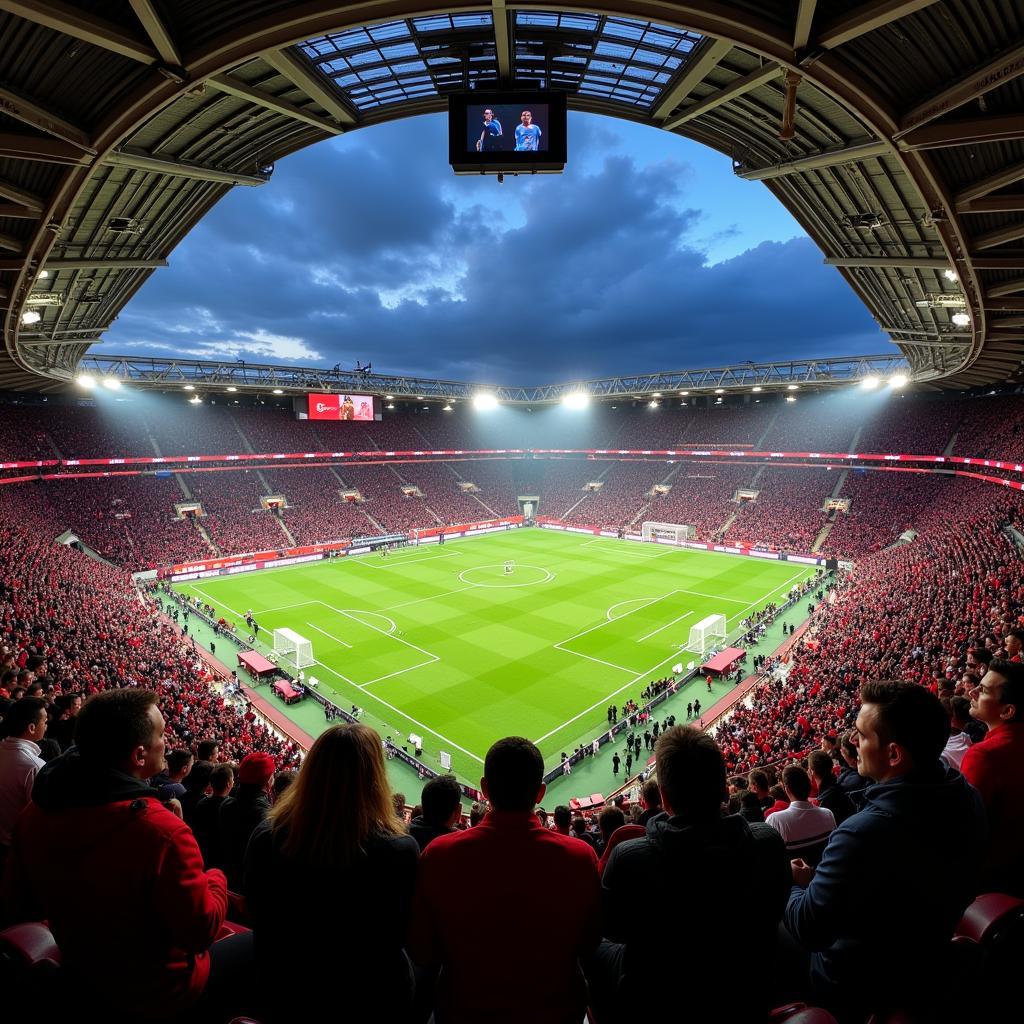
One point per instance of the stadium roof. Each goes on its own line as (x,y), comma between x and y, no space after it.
(890,129)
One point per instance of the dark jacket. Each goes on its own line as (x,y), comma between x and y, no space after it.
(424,833)
(352,931)
(206,828)
(892,884)
(120,879)
(712,875)
(833,799)
(239,816)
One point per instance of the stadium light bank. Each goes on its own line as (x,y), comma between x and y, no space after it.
(576,400)
(485,402)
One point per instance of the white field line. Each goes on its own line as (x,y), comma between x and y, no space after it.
(628,546)
(401,671)
(213,600)
(601,625)
(433,597)
(716,597)
(330,636)
(633,600)
(402,714)
(400,563)
(577,654)
(654,632)
(284,607)
(383,632)
(378,615)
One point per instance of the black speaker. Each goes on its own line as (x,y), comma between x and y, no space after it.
(831,564)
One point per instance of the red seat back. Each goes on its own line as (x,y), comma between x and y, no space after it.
(30,945)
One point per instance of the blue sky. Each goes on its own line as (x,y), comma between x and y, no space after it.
(647,254)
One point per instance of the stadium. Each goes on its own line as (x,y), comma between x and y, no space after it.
(434,695)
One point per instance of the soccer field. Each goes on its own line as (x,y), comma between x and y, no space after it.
(438,641)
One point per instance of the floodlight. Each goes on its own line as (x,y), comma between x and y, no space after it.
(950,275)
(419,398)
(653,403)
(31,316)
(278,391)
(790,398)
(232,388)
(196,400)
(43,275)
(448,407)
(870,383)
(656,394)
(792,387)
(86,381)
(576,400)
(898,380)
(684,393)
(390,398)
(112,382)
(391,405)
(756,389)
(190,387)
(961,319)
(484,402)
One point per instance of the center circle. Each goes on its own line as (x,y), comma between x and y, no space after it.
(494,577)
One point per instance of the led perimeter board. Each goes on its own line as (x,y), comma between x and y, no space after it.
(507,132)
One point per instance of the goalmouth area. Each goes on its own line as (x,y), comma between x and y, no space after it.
(441,642)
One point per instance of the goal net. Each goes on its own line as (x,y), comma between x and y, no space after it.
(674,532)
(706,633)
(292,649)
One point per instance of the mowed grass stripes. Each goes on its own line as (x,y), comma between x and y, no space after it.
(438,641)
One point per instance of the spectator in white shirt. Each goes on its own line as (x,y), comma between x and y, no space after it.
(24,725)
(804,828)
(959,711)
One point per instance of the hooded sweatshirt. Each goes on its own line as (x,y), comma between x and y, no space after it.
(120,879)
(892,884)
(718,883)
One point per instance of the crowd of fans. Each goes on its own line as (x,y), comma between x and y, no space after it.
(623,495)
(788,513)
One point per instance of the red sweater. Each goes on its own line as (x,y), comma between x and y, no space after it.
(507,908)
(995,767)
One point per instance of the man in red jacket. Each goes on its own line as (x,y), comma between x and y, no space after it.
(995,767)
(118,875)
(514,956)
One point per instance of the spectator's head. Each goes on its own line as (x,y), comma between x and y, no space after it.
(122,729)
(179,764)
(222,778)
(282,780)
(737,784)
(691,774)
(513,775)
(978,660)
(819,767)
(750,806)
(442,801)
(999,697)
(959,712)
(256,770)
(398,799)
(25,719)
(796,782)
(477,813)
(759,782)
(778,794)
(900,727)
(198,777)
(650,795)
(208,750)
(340,799)
(609,820)
(579,826)
(562,818)
(848,749)
(1013,642)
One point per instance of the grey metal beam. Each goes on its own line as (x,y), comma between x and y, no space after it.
(993,238)
(81,25)
(866,17)
(157,31)
(741,85)
(311,82)
(1007,287)
(706,56)
(997,128)
(178,168)
(32,114)
(57,265)
(1011,305)
(804,20)
(992,204)
(279,106)
(1002,69)
(1000,179)
(18,212)
(502,41)
(31,201)
(15,146)
(10,242)
(816,161)
(889,262)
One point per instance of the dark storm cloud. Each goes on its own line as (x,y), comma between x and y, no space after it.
(371,249)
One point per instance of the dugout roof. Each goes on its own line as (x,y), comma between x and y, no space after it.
(890,129)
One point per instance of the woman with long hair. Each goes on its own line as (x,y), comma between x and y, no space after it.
(329,880)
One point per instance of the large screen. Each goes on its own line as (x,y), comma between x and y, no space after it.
(512,132)
(341,407)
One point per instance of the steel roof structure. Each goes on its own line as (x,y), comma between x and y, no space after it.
(890,129)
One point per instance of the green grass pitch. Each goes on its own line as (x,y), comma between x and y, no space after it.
(437,641)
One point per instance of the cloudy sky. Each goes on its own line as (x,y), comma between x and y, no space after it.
(646,254)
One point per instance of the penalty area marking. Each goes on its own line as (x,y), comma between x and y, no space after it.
(399,561)
(633,600)
(548,577)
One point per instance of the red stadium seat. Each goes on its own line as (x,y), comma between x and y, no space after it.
(801,1013)
(30,945)
(993,919)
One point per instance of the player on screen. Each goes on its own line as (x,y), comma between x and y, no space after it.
(348,408)
(527,134)
(488,141)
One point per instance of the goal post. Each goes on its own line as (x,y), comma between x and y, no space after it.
(704,634)
(293,649)
(674,532)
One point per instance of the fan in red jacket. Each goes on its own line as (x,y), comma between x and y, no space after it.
(118,876)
